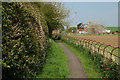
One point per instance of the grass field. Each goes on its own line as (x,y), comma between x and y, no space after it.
(56,63)
(89,66)
(112,29)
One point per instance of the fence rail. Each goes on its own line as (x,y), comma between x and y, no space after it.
(96,46)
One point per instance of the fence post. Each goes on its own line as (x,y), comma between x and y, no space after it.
(95,46)
(112,52)
(105,48)
(82,42)
(99,47)
(89,44)
(85,42)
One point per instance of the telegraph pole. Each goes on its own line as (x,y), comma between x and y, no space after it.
(76,20)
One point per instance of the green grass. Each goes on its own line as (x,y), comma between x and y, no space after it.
(112,29)
(56,65)
(115,52)
(88,64)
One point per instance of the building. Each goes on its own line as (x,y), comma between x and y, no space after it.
(90,28)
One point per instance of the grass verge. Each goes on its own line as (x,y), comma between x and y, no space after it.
(56,63)
(88,64)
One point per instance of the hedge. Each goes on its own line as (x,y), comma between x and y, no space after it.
(24,40)
(110,70)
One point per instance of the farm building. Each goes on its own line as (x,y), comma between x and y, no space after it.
(81,28)
(90,28)
(58,30)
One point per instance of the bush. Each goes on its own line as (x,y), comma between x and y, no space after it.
(25,29)
(109,69)
(24,42)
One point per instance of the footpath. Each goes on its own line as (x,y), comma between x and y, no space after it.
(75,67)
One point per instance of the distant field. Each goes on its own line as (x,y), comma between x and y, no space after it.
(113,29)
(106,39)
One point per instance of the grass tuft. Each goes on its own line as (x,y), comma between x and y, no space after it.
(89,66)
(56,65)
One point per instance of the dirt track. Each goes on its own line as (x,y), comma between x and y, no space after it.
(74,64)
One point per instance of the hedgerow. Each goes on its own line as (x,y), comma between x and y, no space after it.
(26,28)
(24,41)
(109,69)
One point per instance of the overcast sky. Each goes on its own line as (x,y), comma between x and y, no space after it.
(105,13)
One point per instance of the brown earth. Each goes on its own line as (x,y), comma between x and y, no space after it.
(106,39)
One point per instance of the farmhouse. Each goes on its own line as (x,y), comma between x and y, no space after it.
(90,28)
(56,31)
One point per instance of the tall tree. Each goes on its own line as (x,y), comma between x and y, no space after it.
(54,13)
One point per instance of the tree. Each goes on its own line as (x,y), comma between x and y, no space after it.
(72,28)
(54,15)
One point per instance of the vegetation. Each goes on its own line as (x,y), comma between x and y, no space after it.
(56,63)
(54,14)
(71,29)
(25,30)
(113,29)
(107,68)
(0,14)
(23,53)
(89,66)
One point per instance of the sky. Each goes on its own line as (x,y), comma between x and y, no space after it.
(105,13)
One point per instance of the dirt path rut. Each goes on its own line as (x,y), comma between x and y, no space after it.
(74,64)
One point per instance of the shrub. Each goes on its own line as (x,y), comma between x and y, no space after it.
(109,68)
(24,42)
